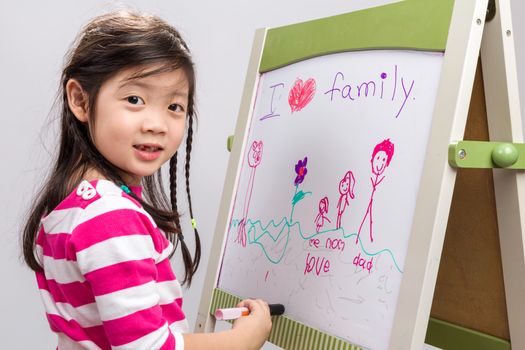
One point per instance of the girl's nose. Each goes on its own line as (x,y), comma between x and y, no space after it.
(155,123)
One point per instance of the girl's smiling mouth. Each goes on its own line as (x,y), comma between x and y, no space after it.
(148,147)
(147,151)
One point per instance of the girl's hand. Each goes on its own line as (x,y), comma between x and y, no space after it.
(254,328)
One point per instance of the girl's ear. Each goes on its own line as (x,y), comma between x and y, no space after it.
(77,100)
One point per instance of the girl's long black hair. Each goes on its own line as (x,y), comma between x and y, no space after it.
(107,45)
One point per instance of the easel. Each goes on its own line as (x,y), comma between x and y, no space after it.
(438,178)
(504,122)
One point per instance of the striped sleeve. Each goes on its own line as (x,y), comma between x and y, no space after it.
(116,251)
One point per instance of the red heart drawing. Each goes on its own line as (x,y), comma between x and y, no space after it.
(301,94)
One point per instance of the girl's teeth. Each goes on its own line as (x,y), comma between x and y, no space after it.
(147,148)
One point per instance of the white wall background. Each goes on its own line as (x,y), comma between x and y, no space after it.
(34,37)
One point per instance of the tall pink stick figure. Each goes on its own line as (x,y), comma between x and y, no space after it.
(381,157)
(320,218)
(346,189)
(254,159)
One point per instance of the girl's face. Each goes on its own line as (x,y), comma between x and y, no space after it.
(344,184)
(322,206)
(140,123)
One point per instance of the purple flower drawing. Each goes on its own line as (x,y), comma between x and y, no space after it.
(300,170)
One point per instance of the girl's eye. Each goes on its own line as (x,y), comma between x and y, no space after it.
(175,107)
(135,100)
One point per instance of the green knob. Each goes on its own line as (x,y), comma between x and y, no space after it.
(229,143)
(505,155)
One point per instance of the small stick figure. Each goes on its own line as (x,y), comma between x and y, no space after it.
(346,189)
(320,218)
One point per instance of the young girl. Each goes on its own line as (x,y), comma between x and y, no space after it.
(98,241)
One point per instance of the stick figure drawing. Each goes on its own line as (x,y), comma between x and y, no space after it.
(381,157)
(254,159)
(320,218)
(346,189)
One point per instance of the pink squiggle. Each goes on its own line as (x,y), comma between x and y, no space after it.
(301,94)
(381,157)
(254,159)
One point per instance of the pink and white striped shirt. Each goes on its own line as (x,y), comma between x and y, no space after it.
(107,281)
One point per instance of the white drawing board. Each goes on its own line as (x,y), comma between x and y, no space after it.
(335,151)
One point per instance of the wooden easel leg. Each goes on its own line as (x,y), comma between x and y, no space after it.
(505,124)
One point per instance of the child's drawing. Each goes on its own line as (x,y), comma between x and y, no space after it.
(381,157)
(301,94)
(254,159)
(273,236)
(346,189)
(320,218)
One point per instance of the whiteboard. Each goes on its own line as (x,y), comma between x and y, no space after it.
(325,198)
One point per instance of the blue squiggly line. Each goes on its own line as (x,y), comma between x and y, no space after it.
(287,225)
(377,253)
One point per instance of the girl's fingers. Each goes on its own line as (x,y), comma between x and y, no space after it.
(254,305)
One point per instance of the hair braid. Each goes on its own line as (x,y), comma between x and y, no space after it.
(179,237)
(189,140)
(173,197)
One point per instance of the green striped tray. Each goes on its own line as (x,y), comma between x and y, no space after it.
(287,333)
